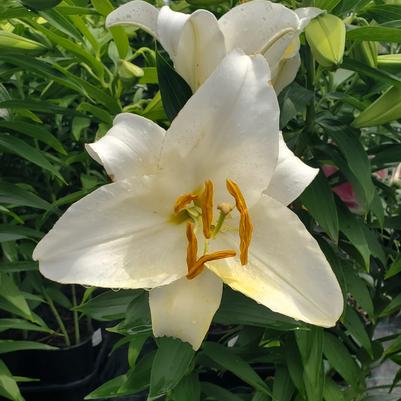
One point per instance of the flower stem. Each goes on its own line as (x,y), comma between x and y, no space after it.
(75,314)
(304,137)
(57,317)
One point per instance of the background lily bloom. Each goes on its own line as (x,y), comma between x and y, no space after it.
(155,228)
(198,42)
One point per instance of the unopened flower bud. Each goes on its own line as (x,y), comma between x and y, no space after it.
(127,70)
(326,37)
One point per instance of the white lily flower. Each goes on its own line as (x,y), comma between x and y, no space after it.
(154,227)
(198,42)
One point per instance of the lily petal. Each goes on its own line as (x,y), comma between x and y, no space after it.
(228,129)
(130,148)
(260,26)
(138,13)
(184,309)
(290,177)
(287,271)
(306,14)
(119,236)
(169,29)
(286,72)
(200,48)
(271,29)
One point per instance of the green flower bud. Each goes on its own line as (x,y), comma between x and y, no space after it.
(385,109)
(365,52)
(127,70)
(389,62)
(326,37)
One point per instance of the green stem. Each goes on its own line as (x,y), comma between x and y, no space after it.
(75,315)
(57,317)
(305,135)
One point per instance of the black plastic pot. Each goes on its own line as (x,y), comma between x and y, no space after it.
(66,374)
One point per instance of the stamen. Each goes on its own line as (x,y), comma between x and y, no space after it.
(198,267)
(192,249)
(206,204)
(183,201)
(245,225)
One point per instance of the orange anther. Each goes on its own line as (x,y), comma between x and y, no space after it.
(192,249)
(183,201)
(198,267)
(245,225)
(206,204)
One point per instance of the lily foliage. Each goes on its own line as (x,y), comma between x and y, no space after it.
(182,184)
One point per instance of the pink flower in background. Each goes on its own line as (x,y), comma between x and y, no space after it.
(344,191)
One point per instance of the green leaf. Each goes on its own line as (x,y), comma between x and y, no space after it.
(175,92)
(326,4)
(236,308)
(110,305)
(10,232)
(319,200)
(14,195)
(64,77)
(353,229)
(11,294)
(218,393)
(310,345)
(357,329)
(135,346)
(11,346)
(283,388)
(187,389)
(226,358)
(375,73)
(394,269)
(72,47)
(332,392)
(394,347)
(375,33)
(172,361)
(22,149)
(14,267)
(11,43)
(98,112)
(384,12)
(357,159)
(104,7)
(40,4)
(359,290)
(393,306)
(108,389)
(8,385)
(62,23)
(19,324)
(340,359)
(36,131)
(38,105)
(138,377)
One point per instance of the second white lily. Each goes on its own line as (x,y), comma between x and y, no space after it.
(198,42)
(155,226)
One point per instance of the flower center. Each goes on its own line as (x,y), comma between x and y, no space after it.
(200,206)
